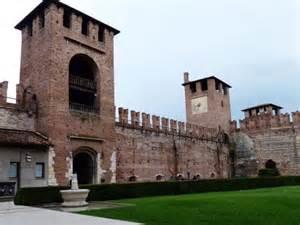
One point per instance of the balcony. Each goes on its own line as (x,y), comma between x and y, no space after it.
(83,108)
(82,82)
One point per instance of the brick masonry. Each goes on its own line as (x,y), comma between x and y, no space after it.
(265,137)
(216,101)
(138,146)
(46,73)
(168,148)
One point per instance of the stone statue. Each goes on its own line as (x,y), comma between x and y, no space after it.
(74,182)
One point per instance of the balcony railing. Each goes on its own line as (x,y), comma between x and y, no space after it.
(82,82)
(83,108)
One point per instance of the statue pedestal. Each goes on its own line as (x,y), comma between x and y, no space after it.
(75,198)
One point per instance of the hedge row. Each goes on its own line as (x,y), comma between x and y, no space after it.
(42,195)
(269,172)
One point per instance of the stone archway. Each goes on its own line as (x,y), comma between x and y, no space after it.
(84,165)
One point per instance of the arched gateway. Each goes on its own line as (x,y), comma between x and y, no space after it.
(84,165)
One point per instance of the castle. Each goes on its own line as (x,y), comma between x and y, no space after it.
(64,119)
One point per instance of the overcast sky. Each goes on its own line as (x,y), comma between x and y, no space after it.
(253,45)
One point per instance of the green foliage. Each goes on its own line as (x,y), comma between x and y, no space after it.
(269,172)
(35,196)
(38,195)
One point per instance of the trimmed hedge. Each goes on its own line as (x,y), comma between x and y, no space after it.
(37,195)
(269,172)
(42,195)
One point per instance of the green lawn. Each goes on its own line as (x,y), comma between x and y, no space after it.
(274,206)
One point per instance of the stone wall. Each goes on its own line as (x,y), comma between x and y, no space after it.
(166,148)
(266,137)
(12,118)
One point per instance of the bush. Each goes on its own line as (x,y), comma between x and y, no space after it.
(269,172)
(36,196)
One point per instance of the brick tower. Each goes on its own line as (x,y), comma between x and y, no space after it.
(67,67)
(207,102)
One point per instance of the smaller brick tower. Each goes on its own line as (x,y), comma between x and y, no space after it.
(207,102)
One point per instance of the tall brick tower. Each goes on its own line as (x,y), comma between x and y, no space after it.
(67,64)
(207,102)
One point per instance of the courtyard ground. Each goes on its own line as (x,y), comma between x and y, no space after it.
(22,215)
(274,206)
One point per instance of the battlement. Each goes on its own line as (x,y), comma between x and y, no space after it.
(207,102)
(267,121)
(75,26)
(26,100)
(146,122)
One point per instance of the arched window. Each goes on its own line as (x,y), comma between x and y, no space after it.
(270,164)
(83,75)
(179,176)
(197,177)
(132,179)
(159,177)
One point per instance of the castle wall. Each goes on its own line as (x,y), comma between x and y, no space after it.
(12,118)
(163,147)
(265,137)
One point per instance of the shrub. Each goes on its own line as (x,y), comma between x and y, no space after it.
(36,196)
(269,172)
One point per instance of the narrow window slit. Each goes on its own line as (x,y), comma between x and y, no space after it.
(101,34)
(67,19)
(84,26)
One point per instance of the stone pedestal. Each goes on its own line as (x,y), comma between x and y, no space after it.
(75,198)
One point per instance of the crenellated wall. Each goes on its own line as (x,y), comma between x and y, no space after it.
(138,146)
(265,137)
(267,121)
(146,122)
(150,146)
(16,116)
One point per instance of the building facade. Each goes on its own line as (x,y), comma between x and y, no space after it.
(65,114)
(64,118)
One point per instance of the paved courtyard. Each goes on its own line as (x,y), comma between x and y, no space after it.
(22,215)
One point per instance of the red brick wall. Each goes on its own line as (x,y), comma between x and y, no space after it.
(146,150)
(219,110)
(45,67)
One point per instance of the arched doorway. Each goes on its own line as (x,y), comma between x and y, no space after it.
(84,167)
(270,164)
